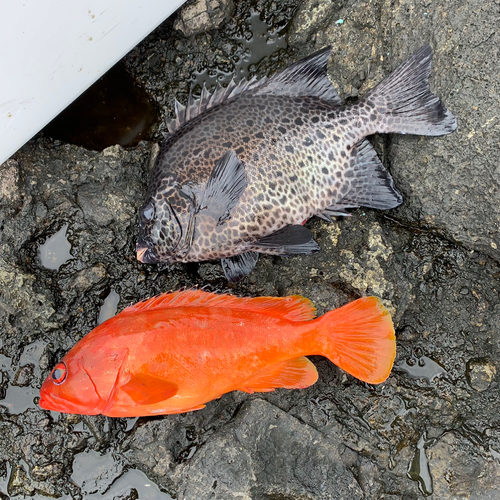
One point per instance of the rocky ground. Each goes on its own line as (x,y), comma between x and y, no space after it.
(432,429)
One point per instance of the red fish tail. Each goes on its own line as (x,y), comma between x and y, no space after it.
(359,338)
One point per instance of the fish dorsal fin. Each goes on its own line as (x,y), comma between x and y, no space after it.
(292,308)
(147,389)
(296,373)
(307,77)
(207,100)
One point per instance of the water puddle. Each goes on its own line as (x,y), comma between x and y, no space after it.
(421,367)
(418,469)
(100,476)
(20,395)
(56,250)
(109,307)
(114,110)
(264,41)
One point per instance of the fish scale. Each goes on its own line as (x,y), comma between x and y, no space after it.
(244,167)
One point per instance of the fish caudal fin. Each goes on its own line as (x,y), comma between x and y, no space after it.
(359,338)
(404,103)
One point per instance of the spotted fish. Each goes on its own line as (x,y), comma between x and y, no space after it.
(244,167)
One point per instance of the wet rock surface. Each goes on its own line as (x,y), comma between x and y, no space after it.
(433,428)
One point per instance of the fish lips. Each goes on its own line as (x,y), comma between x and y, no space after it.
(50,401)
(146,255)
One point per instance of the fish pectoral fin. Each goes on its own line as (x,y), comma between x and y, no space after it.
(237,267)
(224,187)
(372,186)
(296,373)
(146,389)
(289,240)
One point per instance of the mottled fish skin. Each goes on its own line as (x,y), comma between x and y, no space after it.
(288,157)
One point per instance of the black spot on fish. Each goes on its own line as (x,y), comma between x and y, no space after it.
(336,138)
(197,151)
(293,178)
(282,130)
(259,135)
(273,157)
(308,141)
(289,149)
(320,134)
(315,119)
(272,185)
(283,199)
(343,121)
(268,120)
(373,117)
(298,121)
(331,156)
(239,150)
(246,139)
(260,197)
(227,144)
(342,153)
(229,129)
(206,154)
(324,170)
(250,123)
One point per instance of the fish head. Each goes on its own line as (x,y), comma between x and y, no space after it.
(166,224)
(84,382)
(70,389)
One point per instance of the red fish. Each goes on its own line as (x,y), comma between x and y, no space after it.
(175,352)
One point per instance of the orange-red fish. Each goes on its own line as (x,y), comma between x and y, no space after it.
(175,352)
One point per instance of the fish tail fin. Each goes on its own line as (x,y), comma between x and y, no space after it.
(359,338)
(404,103)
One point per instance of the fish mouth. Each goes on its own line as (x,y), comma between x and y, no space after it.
(52,402)
(145,255)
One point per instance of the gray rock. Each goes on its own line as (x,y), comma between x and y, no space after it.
(444,298)
(266,453)
(200,16)
(480,373)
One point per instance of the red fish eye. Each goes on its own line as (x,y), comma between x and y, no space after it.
(59,373)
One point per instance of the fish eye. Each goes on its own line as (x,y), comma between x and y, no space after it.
(148,212)
(59,373)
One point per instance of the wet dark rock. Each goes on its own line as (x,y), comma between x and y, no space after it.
(199,16)
(312,16)
(265,453)
(480,374)
(439,407)
(24,376)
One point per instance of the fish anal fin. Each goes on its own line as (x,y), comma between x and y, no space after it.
(371,185)
(296,373)
(289,240)
(237,267)
(224,187)
(291,308)
(307,77)
(147,389)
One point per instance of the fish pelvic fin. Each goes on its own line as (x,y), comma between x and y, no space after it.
(296,373)
(359,338)
(403,102)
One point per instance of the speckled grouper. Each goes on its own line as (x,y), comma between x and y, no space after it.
(244,167)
